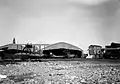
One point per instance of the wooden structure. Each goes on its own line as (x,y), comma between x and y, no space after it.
(95,51)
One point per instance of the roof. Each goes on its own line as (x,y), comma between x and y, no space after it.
(11,46)
(113,44)
(95,46)
(62,45)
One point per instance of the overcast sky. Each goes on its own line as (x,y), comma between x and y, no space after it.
(79,22)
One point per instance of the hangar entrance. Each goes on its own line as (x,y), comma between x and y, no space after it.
(66,53)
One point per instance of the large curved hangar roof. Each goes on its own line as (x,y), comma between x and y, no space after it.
(62,45)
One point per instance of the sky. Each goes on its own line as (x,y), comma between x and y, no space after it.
(79,22)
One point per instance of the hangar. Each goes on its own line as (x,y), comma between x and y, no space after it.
(62,49)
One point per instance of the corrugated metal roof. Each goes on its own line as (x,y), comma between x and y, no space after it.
(62,45)
(11,46)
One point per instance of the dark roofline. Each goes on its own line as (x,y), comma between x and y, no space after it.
(40,44)
(95,46)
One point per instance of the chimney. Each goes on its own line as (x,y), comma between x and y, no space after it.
(14,42)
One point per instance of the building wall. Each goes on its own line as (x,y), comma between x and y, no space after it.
(95,51)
